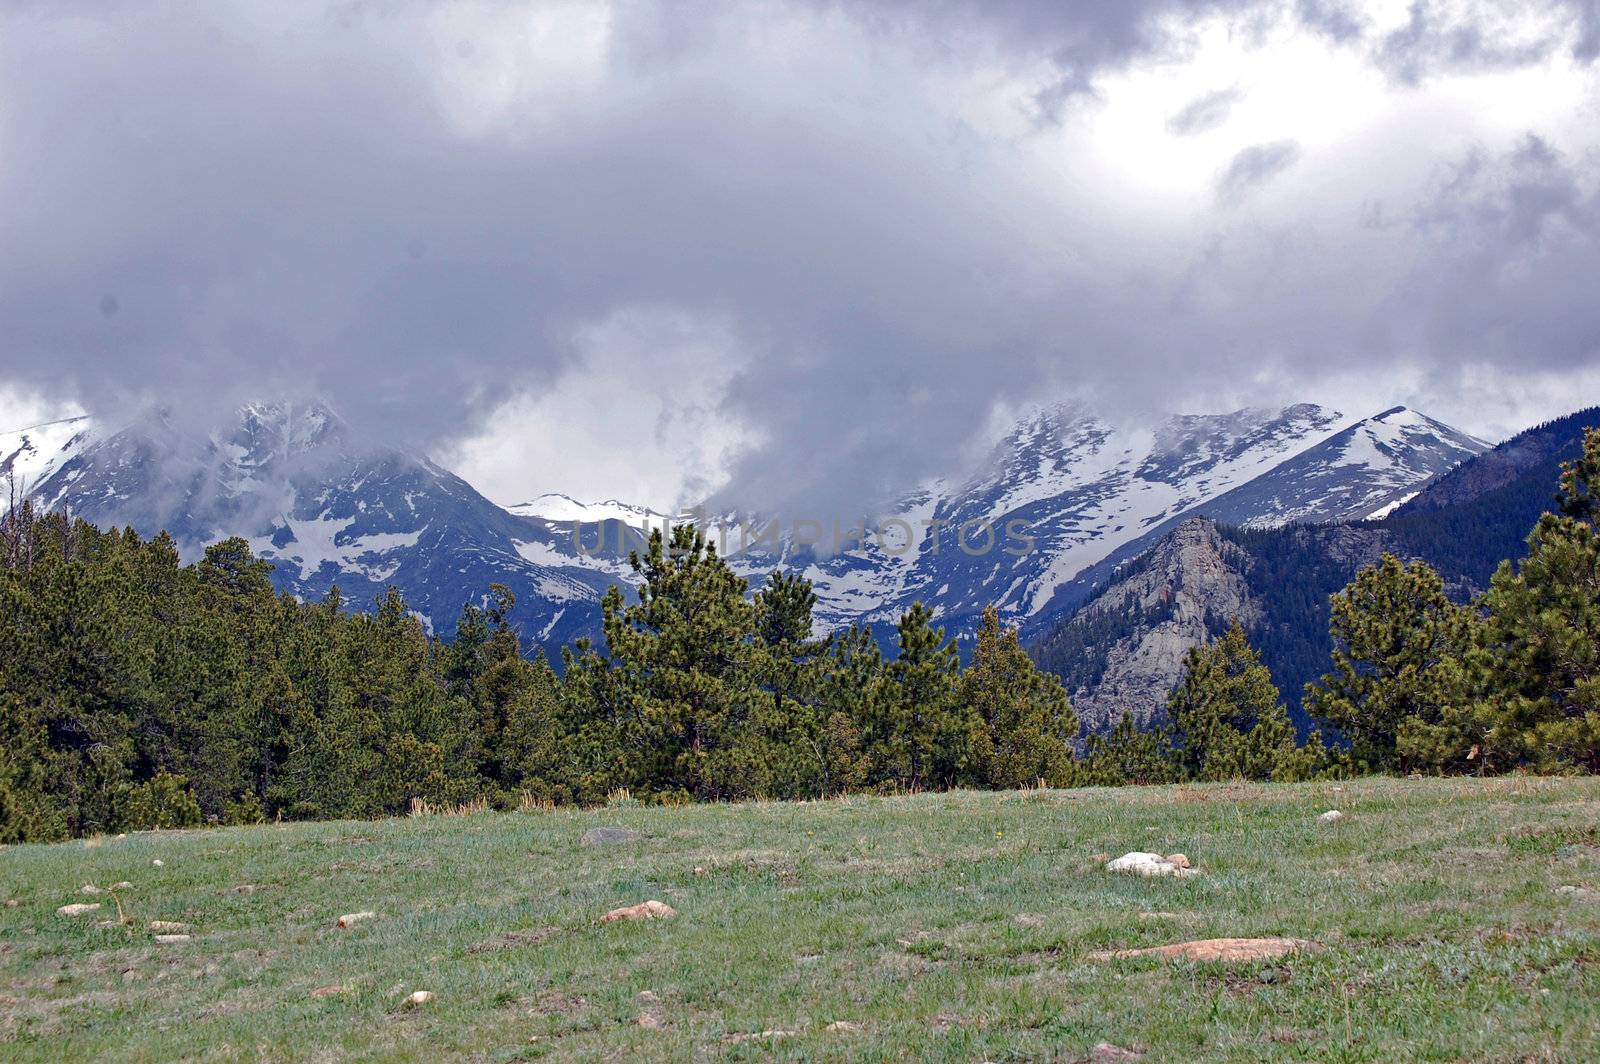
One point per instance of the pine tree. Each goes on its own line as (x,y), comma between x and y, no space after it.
(28,811)
(1024,724)
(1226,720)
(1399,645)
(1127,755)
(1540,660)
(536,728)
(790,731)
(920,729)
(687,653)
(854,688)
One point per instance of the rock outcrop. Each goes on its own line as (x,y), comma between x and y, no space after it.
(1176,597)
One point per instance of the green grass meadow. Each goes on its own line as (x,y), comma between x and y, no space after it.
(932,927)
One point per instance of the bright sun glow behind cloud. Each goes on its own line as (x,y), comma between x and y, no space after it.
(1285,83)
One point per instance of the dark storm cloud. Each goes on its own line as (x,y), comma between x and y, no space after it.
(1253,166)
(1511,277)
(1204,112)
(201,205)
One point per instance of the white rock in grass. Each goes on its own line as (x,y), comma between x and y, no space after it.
(78,909)
(172,940)
(168,927)
(157,863)
(1332,816)
(1140,863)
(89,888)
(350,919)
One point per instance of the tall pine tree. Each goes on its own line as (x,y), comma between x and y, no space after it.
(1540,665)
(1398,663)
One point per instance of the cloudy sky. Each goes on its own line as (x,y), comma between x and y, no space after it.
(794,253)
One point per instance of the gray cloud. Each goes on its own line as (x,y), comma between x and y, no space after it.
(1204,112)
(1510,277)
(374,203)
(1337,19)
(1445,36)
(1254,165)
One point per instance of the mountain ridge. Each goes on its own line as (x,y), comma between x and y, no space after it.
(1121,649)
(328,507)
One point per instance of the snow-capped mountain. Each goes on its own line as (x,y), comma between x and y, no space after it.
(1364,472)
(1065,496)
(326,508)
(1355,472)
(28,455)
(1061,497)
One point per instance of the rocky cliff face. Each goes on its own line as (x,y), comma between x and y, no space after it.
(1122,652)
(1190,586)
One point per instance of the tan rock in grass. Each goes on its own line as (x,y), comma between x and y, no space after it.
(327,991)
(123,885)
(12,903)
(78,909)
(89,889)
(419,997)
(1106,1053)
(351,919)
(172,940)
(762,1036)
(169,927)
(1212,949)
(647,910)
(845,1025)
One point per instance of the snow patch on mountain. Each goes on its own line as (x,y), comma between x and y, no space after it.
(29,456)
(553,506)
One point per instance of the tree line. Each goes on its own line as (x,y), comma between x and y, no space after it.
(140,692)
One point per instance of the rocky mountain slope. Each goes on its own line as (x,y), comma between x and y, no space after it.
(1122,650)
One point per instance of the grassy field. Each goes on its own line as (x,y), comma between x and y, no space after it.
(940,927)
